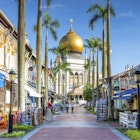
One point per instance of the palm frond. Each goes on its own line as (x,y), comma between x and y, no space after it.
(53,33)
(55,24)
(94,8)
(48,3)
(47,19)
(98,12)
(35,28)
(60,50)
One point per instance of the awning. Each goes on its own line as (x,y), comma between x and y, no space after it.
(4,74)
(2,80)
(125,95)
(32,91)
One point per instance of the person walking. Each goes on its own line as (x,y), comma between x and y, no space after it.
(72,106)
(67,106)
(49,113)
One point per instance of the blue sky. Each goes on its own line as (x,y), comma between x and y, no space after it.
(125,29)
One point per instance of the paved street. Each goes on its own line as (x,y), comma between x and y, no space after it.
(80,125)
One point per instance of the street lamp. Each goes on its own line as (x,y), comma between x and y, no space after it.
(12,75)
(137,80)
(43,101)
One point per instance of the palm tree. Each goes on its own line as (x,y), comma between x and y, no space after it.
(60,66)
(39,49)
(110,111)
(98,45)
(21,54)
(61,53)
(50,27)
(90,44)
(100,12)
(87,67)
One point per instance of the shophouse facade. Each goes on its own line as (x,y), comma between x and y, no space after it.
(8,61)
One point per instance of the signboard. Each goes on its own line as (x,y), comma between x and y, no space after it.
(116,88)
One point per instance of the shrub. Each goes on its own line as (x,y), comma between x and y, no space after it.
(18,131)
(25,128)
(92,111)
(53,112)
(14,134)
(133,134)
(122,130)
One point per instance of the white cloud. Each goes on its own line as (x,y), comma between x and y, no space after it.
(57,6)
(54,6)
(127,15)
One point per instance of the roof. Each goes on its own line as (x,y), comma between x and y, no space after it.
(76,91)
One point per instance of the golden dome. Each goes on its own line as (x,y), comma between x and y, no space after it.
(73,42)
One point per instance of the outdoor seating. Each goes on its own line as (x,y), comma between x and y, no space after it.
(127,120)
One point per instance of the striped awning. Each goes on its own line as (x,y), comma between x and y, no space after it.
(125,95)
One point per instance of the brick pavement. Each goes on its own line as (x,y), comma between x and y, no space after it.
(80,125)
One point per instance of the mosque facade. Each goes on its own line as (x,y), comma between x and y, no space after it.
(72,83)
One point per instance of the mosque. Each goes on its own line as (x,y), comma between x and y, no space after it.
(72,83)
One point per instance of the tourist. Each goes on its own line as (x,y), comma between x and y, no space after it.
(67,106)
(49,113)
(72,106)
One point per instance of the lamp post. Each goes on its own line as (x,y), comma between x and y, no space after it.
(137,80)
(63,76)
(43,101)
(12,75)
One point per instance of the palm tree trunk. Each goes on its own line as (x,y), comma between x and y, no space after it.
(46,70)
(97,76)
(39,50)
(104,59)
(89,69)
(93,82)
(108,61)
(59,83)
(104,55)
(21,54)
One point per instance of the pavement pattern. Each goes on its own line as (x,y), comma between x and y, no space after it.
(79,125)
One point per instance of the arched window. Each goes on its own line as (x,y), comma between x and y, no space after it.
(71,80)
(76,79)
(81,78)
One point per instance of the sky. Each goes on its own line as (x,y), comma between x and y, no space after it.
(124,28)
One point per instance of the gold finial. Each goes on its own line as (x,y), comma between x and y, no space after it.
(71,20)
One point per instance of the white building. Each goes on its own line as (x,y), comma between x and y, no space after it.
(71,84)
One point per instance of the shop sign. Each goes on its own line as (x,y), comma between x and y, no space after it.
(116,88)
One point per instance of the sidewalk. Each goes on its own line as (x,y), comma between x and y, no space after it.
(80,125)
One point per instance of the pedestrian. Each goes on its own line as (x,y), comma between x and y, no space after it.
(72,106)
(67,106)
(49,113)
(52,104)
